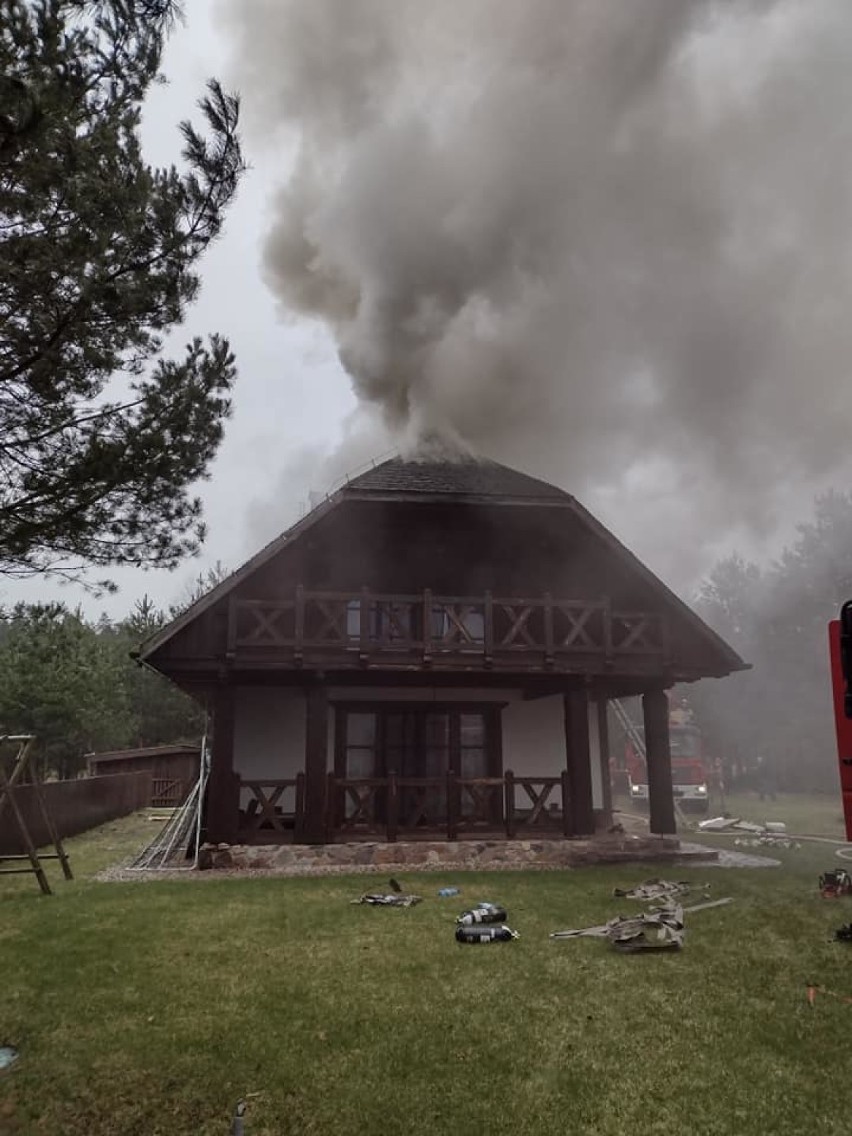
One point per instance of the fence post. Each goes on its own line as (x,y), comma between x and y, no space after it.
(509,792)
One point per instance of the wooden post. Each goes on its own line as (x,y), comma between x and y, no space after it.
(364,626)
(316,751)
(655,710)
(452,805)
(427,625)
(549,640)
(488,629)
(509,791)
(567,824)
(299,820)
(578,763)
(392,808)
(333,811)
(603,735)
(223,797)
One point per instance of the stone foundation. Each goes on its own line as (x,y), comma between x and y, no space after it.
(469,855)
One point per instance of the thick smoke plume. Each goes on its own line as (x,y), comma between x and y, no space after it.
(604,240)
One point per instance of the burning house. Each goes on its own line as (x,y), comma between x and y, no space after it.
(430,651)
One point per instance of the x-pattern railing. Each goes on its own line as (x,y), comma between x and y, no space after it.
(363,624)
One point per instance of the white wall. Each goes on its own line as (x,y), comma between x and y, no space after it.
(269,732)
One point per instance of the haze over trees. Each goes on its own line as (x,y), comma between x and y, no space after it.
(776,617)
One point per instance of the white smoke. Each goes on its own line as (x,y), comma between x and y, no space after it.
(606,241)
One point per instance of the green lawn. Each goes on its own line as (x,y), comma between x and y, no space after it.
(149,1009)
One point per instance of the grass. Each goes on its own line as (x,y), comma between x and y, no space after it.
(151,1008)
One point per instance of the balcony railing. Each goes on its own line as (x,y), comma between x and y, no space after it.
(363,628)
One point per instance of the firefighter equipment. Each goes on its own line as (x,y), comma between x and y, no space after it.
(655,889)
(473,933)
(835,883)
(395,900)
(483,913)
(659,929)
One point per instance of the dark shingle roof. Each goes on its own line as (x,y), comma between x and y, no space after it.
(464,478)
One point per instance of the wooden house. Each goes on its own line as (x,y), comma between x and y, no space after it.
(431,651)
(173,768)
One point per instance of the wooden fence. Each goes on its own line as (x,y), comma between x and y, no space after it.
(75,806)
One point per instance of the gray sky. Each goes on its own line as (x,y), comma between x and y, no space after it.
(297,426)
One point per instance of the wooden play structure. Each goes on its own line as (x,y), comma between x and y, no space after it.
(23,771)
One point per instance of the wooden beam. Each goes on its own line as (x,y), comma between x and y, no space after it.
(316,751)
(578,762)
(655,711)
(223,802)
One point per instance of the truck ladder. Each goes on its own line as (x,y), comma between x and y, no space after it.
(637,740)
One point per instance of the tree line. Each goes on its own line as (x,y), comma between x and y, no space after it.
(76,685)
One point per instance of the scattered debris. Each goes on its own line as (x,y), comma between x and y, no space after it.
(835,883)
(395,885)
(768,840)
(448,891)
(396,899)
(659,929)
(843,934)
(8,1056)
(771,832)
(483,913)
(479,933)
(655,889)
(718,824)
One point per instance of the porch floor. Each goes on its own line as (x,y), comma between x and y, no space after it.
(444,856)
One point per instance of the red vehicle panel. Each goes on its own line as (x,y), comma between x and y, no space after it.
(843,725)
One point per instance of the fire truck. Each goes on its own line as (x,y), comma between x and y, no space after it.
(690,784)
(840,649)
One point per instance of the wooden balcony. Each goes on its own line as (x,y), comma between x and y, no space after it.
(343,630)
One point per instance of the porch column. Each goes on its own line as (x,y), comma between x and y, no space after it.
(578,762)
(316,751)
(603,735)
(223,802)
(655,711)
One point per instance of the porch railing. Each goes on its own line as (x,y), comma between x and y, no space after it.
(394,807)
(271,811)
(435,630)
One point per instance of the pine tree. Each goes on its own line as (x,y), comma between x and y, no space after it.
(102,439)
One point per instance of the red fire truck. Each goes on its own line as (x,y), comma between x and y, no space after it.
(689,768)
(840,646)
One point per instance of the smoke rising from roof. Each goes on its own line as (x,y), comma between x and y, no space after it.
(605,241)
